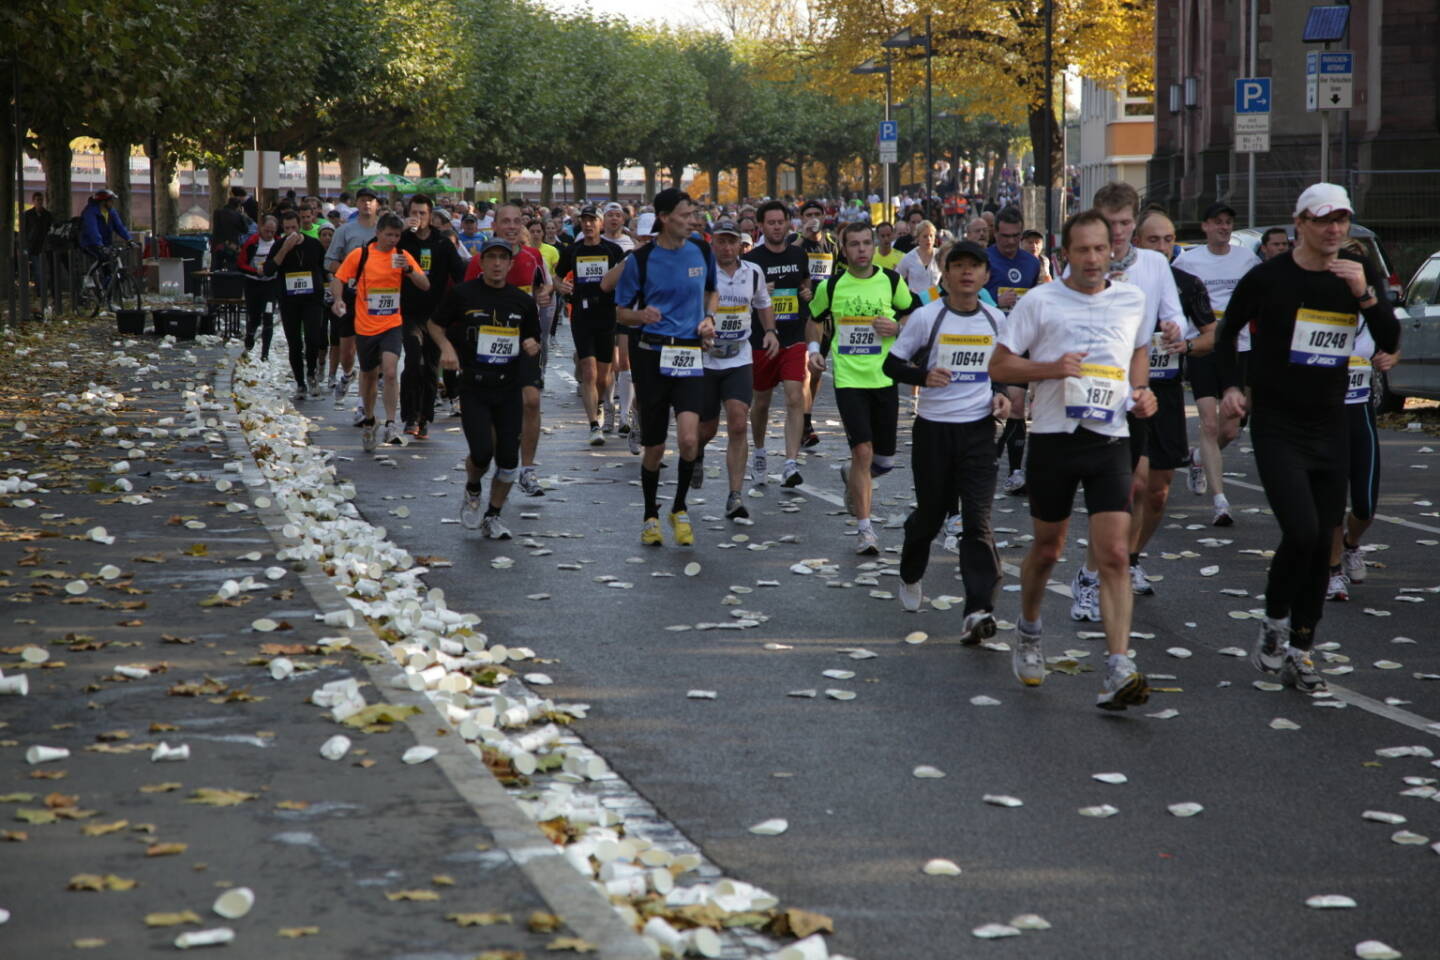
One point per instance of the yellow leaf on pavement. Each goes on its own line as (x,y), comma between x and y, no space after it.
(479,919)
(161,787)
(295,933)
(172,919)
(93,881)
(100,829)
(380,713)
(412,895)
(165,849)
(88,943)
(35,816)
(217,797)
(571,943)
(542,922)
(443,880)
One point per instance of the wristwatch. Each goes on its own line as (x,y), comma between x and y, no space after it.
(710,317)
(1369,295)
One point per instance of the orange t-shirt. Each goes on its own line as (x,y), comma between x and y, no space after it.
(377,294)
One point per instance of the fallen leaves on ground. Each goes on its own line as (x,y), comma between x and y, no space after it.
(542,922)
(198,688)
(800,924)
(571,943)
(95,882)
(218,797)
(380,714)
(412,895)
(295,933)
(172,919)
(479,919)
(160,787)
(100,829)
(166,849)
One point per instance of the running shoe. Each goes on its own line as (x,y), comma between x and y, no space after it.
(299,396)
(360,415)
(845,485)
(953,529)
(681,530)
(1195,475)
(1014,484)
(1086,595)
(623,429)
(910,596)
(697,476)
(790,476)
(1338,588)
(315,388)
(632,436)
(493,529)
(650,533)
(1268,655)
(530,484)
(470,510)
(1299,672)
(369,433)
(1125,686)
(422,432)
(1027,659)
(1138,584)
(979,627)
(735,506)
(454,406)
(609,424)
(341,384)
(759,466)
(1222,513)
(410,428)
(392,433)
(1352,562)
(597,437)
(869,545)
(811,439)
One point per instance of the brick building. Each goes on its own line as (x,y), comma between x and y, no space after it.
(1386,149)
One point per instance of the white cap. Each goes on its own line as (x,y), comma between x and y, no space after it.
(1323,199)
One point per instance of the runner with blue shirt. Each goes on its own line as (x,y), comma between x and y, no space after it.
(1012,272)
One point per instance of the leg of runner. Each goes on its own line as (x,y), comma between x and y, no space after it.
(292,321)
(430,360)
(737,415)
(413,347)
(1012,441)
(390,370)
(937,485)
(509,421)
(590,396)
(477,423)
(1216,433)
(760,425)
(809,437)
(687,438)
(796,398)
(312,315)
(1347,563)
(530,442)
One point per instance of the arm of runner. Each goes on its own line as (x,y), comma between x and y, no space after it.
(530,330)
(337,296)
(1008,367)
(707,323)
(416,275)
(1142,398)
(611,280)
(1242,308)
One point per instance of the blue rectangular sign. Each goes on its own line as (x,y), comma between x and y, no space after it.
(1252,95)
(889,130)
(1337,63)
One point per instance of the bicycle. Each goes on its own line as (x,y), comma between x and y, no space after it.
(107,284)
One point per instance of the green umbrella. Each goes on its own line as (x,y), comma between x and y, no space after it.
(435,185)
(387,181)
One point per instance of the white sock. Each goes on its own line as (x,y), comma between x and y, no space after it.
(1088,575)
(622,391)
(791,463)
(864,523)
(1112,658)
(1220,501)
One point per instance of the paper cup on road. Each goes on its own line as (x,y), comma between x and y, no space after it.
(38,754)
(205,938)
(626,887)
(662,881)
(619,870)
(166,752)
(580,860)
(340,618)
(335,748)
(671,941)
(14,686)
(281,667)
(702,942)
(234,903)
(811,948)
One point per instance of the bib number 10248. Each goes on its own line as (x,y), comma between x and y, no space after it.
(1322,338)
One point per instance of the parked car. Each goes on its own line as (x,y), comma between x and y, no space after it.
(1418,372)
(1249,238)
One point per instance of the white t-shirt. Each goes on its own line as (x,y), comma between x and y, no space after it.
(1151,273)
(739,293)
(963,346)
(1053,320)
(1220,275)
(624,241)
(917,276)
(1362,373)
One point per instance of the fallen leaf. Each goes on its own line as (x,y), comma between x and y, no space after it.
(166,849)
(412,895)
(160,787)
(93,881)
(100,829)
(88,943)
(479,919)
(217,797)
(380,713)
(293,805)
(59,801)
(35,816)
(571,943)
(172,919)
(295,933)
(800,924)
(542,922)
(443,880)
(14,836)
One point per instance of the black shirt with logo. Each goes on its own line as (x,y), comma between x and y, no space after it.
(592,305)
(474,304)
(787,270)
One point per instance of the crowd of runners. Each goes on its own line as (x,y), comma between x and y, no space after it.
(1040,374)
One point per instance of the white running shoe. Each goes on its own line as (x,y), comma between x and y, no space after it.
(979,627)
(1086,594)
(910,596)
(369,433)
(1299,672)
(953,529)
(454,406)
(471,510)
(790,476)
(1138,584)
(392,433)
(1195,474)
(1268,654)
(530,484)
(1222,513)
(759,465)
(493,529)
(1015,483)
(360,415)
(869,545)
(609,419)
(1352,563)
(1027,659)
(1125,686)
(1338,588)
(633,437)
(597,437)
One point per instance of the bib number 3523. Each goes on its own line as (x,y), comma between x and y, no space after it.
(677,361)
(1322,338)
(1097,395)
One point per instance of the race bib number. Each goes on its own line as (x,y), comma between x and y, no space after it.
(298,283)
(590,269)
(786,303)
(732,323)
(1163,365)
(1097,395)
(1358,389)
(856,337)
(676,361)
(966,356)
(1018,291)
(1322,338)
(259,263)
(821,265)
(425,259)
(382,301)
(497,344)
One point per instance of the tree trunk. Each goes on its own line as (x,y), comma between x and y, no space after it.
(649,180)
(865,180)
(55,159)
(166,183)
(742,182)
(117,177)
(677,175)
(714,171)
(832,177)
(350,168)
(547,185)
(772,177)
(577,173)
(219,187)
(504,177)
(430,168)
(312,172)
(1039,119)
(8,203)
(615,182)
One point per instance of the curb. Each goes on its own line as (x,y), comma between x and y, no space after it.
(569,895)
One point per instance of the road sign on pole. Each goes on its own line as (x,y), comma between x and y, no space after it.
(1329,80)
(1252,114)
(889,140)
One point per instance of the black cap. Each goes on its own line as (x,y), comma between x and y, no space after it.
(495,243)
(1217,208)
(726,226)
(469,218)
(811,205)
(366,192)
(966,248)
(590,210)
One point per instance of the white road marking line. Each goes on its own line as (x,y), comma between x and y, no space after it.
(1399,521)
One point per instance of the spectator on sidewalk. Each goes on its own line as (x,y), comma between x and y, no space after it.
(35,224)
(227,229)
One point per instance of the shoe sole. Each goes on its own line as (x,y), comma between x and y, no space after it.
(1134,693)
(868,551)
(1224,520)
(740,514)
(1030,681)
(1084,616)
(983,631)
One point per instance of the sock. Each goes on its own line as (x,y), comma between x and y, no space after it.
(1015,446)
(864,523)
(1220,501)
(1134,559)
(883,464)
(683,476)
(650,484)
(1111,659)
(472,488)
(492,511)
(594,424)
(809,423)
(1088,575)
(1348,545)
(1030,628)
(791,463)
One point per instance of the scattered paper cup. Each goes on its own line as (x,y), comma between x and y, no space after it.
(205,938)
(418,754)
(15,686)
(234,903)
(39,754)
(335,748)
(811,948)
(281,668)
(166,752)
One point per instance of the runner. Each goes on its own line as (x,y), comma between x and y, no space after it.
(822,254)
(1089,344)
(483,327)
(920,267)
(1273,242)
(1220,266)
(886,254)
(729,378)
(349,237)
(865,305)
(621,407)
(299,262)
(1012,272)
(376,272)
(787,278)
(1301,308)
(668,294)
(535,240)
(259,286)
(527,272)
(953,452)
(442,265)
(592,320)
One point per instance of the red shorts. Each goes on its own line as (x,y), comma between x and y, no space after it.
(789,364)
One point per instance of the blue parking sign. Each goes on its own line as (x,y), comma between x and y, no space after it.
(1252,95)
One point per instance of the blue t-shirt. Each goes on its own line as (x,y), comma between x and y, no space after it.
(676,282)
(472,243)
(1022,272)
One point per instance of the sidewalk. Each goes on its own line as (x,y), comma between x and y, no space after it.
(129,644)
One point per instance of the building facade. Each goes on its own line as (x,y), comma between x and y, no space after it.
(1117,137)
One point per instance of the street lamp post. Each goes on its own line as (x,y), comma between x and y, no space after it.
(870,66)
(905,38)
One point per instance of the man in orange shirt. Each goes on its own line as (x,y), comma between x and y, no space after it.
(375,272)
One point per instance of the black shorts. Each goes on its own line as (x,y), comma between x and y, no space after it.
(657,395)
(491,418)
(870,415)
(593,338)
(344,326)
(369,349)
(1060,462)
(732,383)
(1204,376)
(1168,443)
(1139,439)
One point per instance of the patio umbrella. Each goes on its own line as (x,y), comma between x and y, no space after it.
(382,181)
(435,185)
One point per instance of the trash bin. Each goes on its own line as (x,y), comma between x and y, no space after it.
(190,248)
(130,321)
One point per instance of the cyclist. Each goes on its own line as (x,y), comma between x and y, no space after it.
(100,224)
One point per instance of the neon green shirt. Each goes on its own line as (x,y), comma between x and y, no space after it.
(858,352)
(888,260)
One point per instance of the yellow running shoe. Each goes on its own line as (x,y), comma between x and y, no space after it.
(680,526)
(650,533)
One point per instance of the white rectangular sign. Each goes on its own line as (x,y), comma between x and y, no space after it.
(262,169)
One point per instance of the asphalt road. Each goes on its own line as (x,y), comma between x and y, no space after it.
(1282,817)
